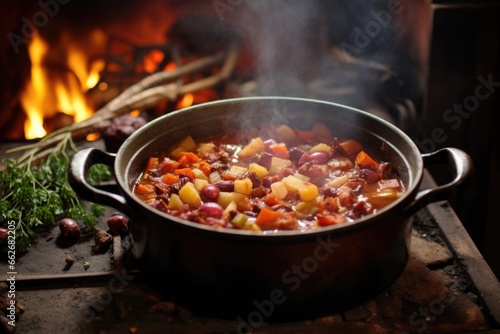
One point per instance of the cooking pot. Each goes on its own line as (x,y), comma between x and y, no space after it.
(257,276)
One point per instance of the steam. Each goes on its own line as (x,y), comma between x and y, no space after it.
(344,51)
(284,39)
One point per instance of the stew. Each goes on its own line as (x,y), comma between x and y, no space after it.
(277,178)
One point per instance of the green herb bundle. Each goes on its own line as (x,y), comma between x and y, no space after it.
(36,196)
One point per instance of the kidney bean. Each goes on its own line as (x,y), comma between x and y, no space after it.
(117,223)
(211,209)
(319,158)
(3,234)
(69,228)
(225,185)
(210,193)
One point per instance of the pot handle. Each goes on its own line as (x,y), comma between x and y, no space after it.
(79,166)
(462,167)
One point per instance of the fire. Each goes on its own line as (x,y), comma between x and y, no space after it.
(33,128)
(186,101)
(52,89)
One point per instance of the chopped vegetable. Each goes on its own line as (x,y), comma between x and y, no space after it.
(307,181)
(284,132)
(152,163)
(259,170)
(365,160)
(190,195)
(351,146)
(239,220)
(187,144)
(279,150)
(227,197)
(321,147)
(255,146)
(308,192)
(175,202)
(278,164)
(331,219)
(279,190)
(243,186)
(184,171)
(169,178)
(267,215)
(144,189)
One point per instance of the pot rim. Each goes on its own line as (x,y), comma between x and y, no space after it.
(402,201)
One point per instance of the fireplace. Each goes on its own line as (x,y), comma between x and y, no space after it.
(398,59)
(64,60)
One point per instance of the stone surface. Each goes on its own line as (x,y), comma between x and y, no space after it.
(429,252)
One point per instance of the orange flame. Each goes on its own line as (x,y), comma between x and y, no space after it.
(33,127)
(52,89)
(186,101)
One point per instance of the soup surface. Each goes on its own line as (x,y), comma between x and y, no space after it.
(277,178)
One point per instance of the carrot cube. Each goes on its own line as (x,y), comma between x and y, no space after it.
(170,178)
(185,171)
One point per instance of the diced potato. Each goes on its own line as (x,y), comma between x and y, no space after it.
(236,171)
(278,164)
(293,184)
(302,177)
(259,170)
(321,147)
(279,190)
(198,174)
(308,192)
(307,208)
(255,146)
(227,197)
(245,205)
(285,133)
(230,208)
(190,195)
(352,146)
(243,186)
(206,147)
(199,184)
(339,181)
(187,144)
(175,202)
(251,226)
(321,131)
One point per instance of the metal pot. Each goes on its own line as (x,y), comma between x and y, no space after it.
(289,273)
